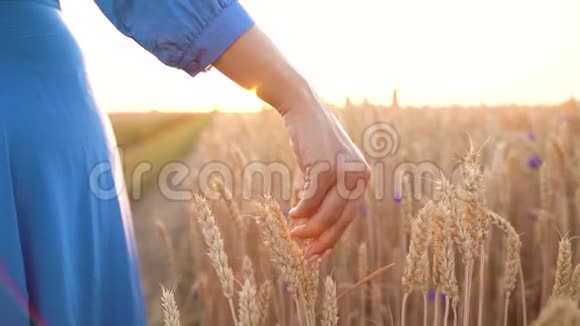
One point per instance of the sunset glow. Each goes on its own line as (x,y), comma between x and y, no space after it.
(435,53)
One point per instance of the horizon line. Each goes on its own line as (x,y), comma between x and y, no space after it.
(571,100)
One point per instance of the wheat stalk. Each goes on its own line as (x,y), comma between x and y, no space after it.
(286,255)
(376,303)
(312,280)
(363,270)
(169,308)
(476,226)
(406,211)
(249,313)
(575,283)
(234,210)
(216,252)
(264,296)
(415,274)
(169,249)
(444,276)
(329,305)
(512,256)
(562,285)
(546,190)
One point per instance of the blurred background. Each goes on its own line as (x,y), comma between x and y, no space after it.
(435,52)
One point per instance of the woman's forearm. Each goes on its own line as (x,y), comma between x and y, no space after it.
(254,62)
(330,199)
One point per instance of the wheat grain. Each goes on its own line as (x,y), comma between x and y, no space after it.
(215,243)
(575,283)
(415,275)
(311,284)
(559,312)
(249,313)
(216,252)
(329,306)
(562,285)
(169,308)
(286,254)
(444,277)
(512,248)
(458,228)
(474,199)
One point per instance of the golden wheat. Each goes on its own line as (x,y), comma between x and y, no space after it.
(562,285)
(169,307)
(286,255)
(329,305)
(458,224)
(559,312)
(249,312)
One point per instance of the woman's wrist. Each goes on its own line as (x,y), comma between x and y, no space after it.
(292,93)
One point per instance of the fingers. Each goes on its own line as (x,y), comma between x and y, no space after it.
(329,238)
(329,212)
(316,188)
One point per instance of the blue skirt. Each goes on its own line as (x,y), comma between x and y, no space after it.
(67,250)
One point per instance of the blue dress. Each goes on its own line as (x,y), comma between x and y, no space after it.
(67,252)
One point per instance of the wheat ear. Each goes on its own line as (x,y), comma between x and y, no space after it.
(285,253)
(575,284)
(169,308)
(415,275)
(249,313)
(216,252)
(416,272)
(329,305)
(512,256)
(559,311)
(563,277)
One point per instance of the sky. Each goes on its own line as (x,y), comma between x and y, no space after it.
(442,52)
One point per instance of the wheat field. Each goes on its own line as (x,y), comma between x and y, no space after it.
(488,240)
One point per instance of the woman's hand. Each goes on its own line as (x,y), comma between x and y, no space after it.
(334,169)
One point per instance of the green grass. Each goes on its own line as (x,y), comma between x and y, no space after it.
(155,138)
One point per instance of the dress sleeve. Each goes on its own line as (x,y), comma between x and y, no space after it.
(186,34)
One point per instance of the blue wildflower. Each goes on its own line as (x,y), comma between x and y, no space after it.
(431,295)
(397,197)
(363,210)
(534,162)
(285,212)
